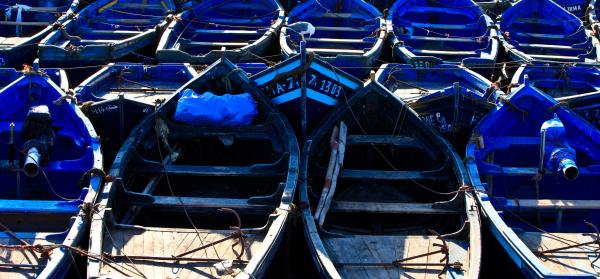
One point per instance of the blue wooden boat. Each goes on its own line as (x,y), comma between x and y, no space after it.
(326,86)
(25,23)
(106,30)
(348,34)
(453,31)
(241,31)
(448,97)
(535,167)
(542,30)
(394,204)
(174,181)
(50,164)
(122,94)
(574,86)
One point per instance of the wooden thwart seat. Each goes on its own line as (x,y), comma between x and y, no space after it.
(431,175)
(550,204)
(390,208)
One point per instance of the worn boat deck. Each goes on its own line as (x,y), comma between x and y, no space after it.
(28,259)
(166,242)
(570,261)
(386,249)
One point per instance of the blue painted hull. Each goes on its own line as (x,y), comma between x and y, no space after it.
(349,36)
(105,31)
(19,42)
(540,30)
(58,76)
(576,87)
(504,155)
(44,208)
(452,32)
(576,7)
(240,31)
(450,98)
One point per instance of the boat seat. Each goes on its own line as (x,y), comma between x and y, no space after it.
(248,132)
(26,23)
(438,26)
(38,207)
(341,15)
(108,32)
(559,47)
(141,21)
(554,57)
(336,51)
(210,170)
(341,41)
(90,42)
(443,39)
(431,175)
(396,141)
(390,208)
(239,32)
(342,29)
(194,202)
(543,36)
(217,44)
(547,204)
(537,20)
(444,52)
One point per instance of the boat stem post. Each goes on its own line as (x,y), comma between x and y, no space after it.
(122,116)
(11,145)
(303,111)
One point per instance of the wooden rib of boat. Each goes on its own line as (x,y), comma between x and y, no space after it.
(349,34)
(106,30)
(384,195)
(48,153)
(455,31)
(25,23)
(448,97)
(124,93)
(240,30)
(540,30)
(575,86)
(173,207)
(535,166)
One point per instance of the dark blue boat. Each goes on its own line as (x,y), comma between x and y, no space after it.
(349,34)
(25,23)
(50,164)
(326,86)
(239,30)
(124,93)
(106,30)
(453,31)
(231,185)
(575,86)
(542,30)
(448,97)
(535,166)
(383,195)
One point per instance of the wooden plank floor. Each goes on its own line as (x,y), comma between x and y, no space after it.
(166,242)
(571,261)
(20,257)
(386,249)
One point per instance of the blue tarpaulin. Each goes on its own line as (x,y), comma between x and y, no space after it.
(209,109)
